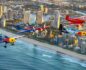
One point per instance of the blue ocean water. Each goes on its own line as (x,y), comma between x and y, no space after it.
(26,56)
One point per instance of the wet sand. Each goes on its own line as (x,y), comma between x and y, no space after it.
(45,45)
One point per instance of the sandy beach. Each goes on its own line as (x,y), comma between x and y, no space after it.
(45,45)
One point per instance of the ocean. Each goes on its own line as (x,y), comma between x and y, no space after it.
(27,56)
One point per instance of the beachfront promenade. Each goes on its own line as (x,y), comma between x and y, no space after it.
(41,44)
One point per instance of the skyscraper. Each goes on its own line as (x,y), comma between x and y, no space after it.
(1,10)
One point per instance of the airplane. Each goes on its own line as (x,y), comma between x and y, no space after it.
(33,29)
(68,30)
(20,28)
(72,31)
(23,29)
(83,18)
(75,21)
(81,33)
(26,30)
(41,28)
(8,40)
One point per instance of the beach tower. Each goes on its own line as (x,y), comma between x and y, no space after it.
(39,17)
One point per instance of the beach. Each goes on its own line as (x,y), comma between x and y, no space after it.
(45,45)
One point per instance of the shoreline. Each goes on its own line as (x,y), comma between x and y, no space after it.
(45,45)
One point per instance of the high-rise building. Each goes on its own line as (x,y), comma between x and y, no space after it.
(26,17)
(39,17)
(1,10)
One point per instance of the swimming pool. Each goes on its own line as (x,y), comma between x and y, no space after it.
(26,56)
